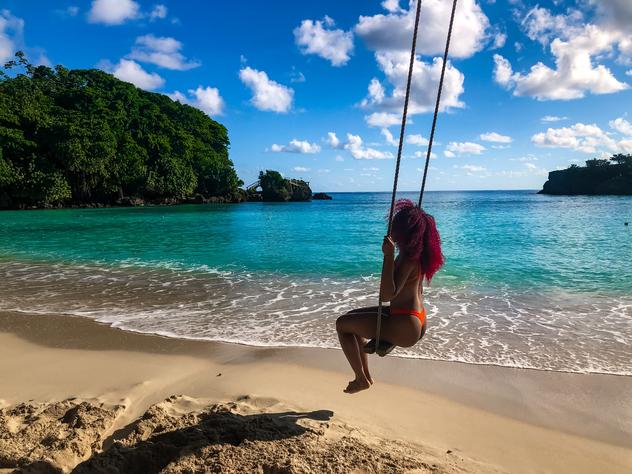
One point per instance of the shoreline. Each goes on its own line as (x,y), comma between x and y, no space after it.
(512,337)
(521,411)
(255,346)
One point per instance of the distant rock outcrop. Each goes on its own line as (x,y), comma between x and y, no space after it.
(272,187)
(598,177)
(322,197)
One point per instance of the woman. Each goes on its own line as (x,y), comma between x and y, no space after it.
(415,235)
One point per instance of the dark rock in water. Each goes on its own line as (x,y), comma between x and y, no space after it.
(130,202)
(599,177)
(241,195)
(322,197)
(196,199)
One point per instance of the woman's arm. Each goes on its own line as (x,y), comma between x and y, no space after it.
(391,284)
(387,283)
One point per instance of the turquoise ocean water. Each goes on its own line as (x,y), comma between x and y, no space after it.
(530,280)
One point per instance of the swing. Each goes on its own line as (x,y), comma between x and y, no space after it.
(381,347)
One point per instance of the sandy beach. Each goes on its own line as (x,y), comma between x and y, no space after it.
(80,395)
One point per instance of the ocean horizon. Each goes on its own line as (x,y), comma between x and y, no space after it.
(530,281)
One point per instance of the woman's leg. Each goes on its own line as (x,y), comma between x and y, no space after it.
(354,326)
(365,358)
(351,349)
(362,341)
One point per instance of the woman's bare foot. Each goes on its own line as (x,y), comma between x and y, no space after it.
(357,385)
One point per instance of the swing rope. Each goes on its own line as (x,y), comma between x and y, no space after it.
(436,110)
(401,140)
(399,158)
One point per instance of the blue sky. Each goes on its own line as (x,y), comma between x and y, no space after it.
(313,89)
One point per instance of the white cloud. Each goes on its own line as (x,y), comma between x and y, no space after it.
(130,71)
(625,146)
(11,28)
(158,12)
(354,145)
(499,40)
(621,125)
(553,118)
(267,94)
(301,169)
(464,148)
(502,71)
(207,99)
(161,51)
(339,158)
(448,154)
(423,89)
(495,137)
(433,155)
(391,6)
(528,157)
(416,139)
(388,35)
(615,13)
(382,119)
(473,168)
(533,169)
(628,73)
(297,76)
(573,77)
(318,37)
(541,25)
(585,138)
(360,152)
(296,146)
(376,90)
(333,141)
(392,31)
(113,12)
(577,48)
(388,136)
(12,40)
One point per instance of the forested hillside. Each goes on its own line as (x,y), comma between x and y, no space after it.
(83,136)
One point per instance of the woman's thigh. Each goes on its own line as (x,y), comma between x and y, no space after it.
(401,331)
(358,323)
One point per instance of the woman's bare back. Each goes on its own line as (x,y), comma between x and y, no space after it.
(410,295)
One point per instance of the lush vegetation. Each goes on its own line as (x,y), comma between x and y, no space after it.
(599,176)
(83,136)
(275,187)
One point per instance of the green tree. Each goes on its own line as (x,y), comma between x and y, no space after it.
(595,163)
(622,159)
(84,136)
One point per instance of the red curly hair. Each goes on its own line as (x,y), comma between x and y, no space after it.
(415,233)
